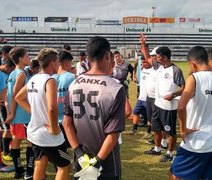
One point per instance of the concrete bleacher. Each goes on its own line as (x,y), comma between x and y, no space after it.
(178,43)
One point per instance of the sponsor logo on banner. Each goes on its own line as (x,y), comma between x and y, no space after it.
(26,19)
(189,20)
(56,19)
(161,20)
(108,22)
(82,20)
(135,20)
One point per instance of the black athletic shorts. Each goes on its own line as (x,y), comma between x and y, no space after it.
(57,155)
(150,108)
(164,120)
(3,117)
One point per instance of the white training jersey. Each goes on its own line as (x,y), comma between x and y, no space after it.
(143,93)
(80,69)
(37,132)
(150,79)
(199,115)
(167,82)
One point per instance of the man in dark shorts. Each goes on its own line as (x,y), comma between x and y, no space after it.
(169,85)
(39,97)
(95,115)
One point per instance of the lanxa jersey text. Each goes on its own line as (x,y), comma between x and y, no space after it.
(90,81)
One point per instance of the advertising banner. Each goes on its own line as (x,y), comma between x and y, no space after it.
(25,19)
(56,19)
(189,20)
(82,20)
(108,22)
(161,20)
(135,20)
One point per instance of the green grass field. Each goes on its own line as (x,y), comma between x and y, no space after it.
(135,164)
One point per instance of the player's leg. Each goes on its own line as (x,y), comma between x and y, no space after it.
(30,161)
(157,128)
(169,123)
(6,135)
(63,173)
(18,133)
(139,109)
(60,158)
(40,167)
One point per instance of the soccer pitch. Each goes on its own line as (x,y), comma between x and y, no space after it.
(135,164)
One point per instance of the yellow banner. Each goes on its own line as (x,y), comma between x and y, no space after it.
(135,20)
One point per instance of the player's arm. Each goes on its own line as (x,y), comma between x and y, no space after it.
(68,123)
(187,94)
(128,108)
(19,83)
(144,49)
(179,80)
(21,99)
(52,109)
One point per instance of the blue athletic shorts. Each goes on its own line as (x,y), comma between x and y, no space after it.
(192,166)
(140,107)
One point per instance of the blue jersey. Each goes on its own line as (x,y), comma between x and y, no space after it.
(63,82)
(26,70)
(21,116)
(3,80)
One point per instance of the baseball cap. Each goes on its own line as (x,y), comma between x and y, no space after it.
(153,52)
(82,53)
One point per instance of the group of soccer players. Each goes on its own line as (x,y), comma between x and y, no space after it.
(56,106)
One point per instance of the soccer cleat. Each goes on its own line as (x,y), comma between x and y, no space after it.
(152,152)
(166,158)
(28,176)
(5,168)
(7,157)
(20,174)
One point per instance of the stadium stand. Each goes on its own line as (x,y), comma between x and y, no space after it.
(178,43)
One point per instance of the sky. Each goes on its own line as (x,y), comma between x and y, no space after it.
(105,9)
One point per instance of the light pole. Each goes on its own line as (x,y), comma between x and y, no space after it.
(153,15)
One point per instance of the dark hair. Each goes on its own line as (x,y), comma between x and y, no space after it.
(6,49)
(116,52)
(67,47)
(164,51)
(198,54)
(210,54)
(97,47)
(9,62)
(64,56)
(34,64)
(17,52)
(82,53)
(45,56)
